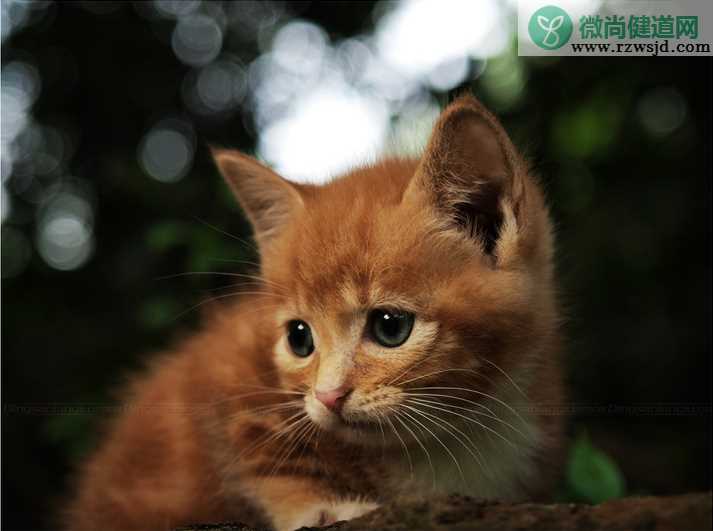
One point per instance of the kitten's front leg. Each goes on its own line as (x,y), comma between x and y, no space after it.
(292,502)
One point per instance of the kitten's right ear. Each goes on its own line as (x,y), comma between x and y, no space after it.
(470,173)
(267,199)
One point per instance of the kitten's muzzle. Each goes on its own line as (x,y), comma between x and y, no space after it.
(334,398)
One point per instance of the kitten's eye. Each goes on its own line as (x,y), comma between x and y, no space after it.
(299,336)
(390,328)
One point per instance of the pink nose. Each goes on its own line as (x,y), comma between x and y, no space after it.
(334,398)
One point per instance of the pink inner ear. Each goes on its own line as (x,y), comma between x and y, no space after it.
(267,199)
(478,144)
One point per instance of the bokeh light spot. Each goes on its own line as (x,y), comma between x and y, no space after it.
(176,8)
(217,87)
(197,40)
(412,128)
(166,152)
(420,35)
(65,239)
(661,111)
(504,80)
(449,74)
(329,130)
(20,88)
(300,47)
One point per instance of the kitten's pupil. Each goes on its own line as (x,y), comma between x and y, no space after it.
(390,328)
(299,336)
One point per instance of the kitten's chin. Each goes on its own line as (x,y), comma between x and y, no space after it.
(321,416)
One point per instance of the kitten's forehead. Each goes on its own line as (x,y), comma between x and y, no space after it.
(349,289)
(357,244)
(351,273)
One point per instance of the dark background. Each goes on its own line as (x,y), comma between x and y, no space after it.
(623,146)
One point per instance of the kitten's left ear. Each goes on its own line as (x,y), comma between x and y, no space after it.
(471,173)
(267,199)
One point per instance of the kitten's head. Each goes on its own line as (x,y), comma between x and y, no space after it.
(405,280)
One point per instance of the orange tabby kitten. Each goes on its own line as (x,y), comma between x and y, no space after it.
(404,332)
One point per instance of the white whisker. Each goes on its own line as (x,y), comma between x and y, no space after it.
(452,397)
(488,428)
(478,458)
(403,444)
(423,447)
(445,447)
(409,369)
(495,399)
(440,372)
(506,376)
(493,417)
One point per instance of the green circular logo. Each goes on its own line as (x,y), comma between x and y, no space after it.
(550,27)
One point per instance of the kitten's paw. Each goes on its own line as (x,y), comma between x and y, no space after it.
(348,509)
(327,513)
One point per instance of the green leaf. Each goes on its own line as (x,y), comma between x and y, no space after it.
(592,475)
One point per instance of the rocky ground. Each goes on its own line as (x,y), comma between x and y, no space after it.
(690,512)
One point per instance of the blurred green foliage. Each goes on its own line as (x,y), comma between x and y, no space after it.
(75,432)
(159,312)
(588,130)
(592,475)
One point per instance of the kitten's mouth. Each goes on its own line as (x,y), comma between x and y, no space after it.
(363,425)
(340,422)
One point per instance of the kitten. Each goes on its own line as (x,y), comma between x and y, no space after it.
(404,333)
